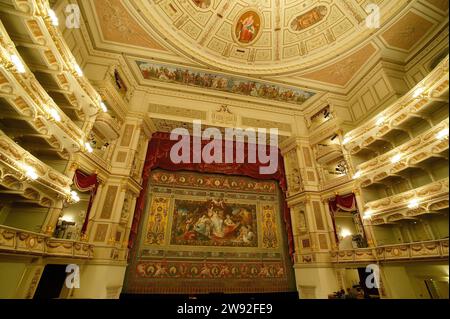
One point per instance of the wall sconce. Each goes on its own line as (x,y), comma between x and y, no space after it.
(88,147)
(103,106)
(20,67)
(357,175)
(53,17)
(380,120)
(54,114)
(368,214)
(345,233)
(346,140)
(396,158)
(443,134)
(418,92)
(30,172)
(413,203)
(78,69)
(74,197)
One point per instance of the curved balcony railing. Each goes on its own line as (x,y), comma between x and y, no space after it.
(435,249)
(16,241)
(429,198)
(422,96)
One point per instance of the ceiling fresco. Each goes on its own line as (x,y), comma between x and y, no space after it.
(261,36)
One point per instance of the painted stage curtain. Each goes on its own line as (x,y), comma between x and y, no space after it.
(86,183)
(346,203)
(158,156)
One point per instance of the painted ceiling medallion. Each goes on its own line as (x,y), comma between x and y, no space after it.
(202,4)
(248,27)
(309,18)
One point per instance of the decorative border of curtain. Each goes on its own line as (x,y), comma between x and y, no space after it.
(158,156)
(346,203)
(86,183)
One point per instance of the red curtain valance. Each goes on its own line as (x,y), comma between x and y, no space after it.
(86,183)
(346,203)
(158,156)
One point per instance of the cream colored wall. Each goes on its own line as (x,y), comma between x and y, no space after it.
(10,277)
(351,277)
(26,217)
(386,235)
(407,280)
(439,225)
(100,282)
(316,283)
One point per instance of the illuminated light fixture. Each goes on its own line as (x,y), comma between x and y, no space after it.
(88,147)
(346,140)
(55,115)
(30,172)
(413,203)
(368,214)
(418,92)
(357,175)
(396,158)
(74,197)
(67,219)
(78,69)
(380,120)
(442,134)
(53,17)
(345,233)
(103,106)
(17,63)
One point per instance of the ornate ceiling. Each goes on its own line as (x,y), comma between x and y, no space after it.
(261,36)
(283,52)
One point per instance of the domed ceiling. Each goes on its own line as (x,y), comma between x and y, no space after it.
(261,36)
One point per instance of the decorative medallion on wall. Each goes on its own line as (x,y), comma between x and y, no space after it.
(309,18)
(247,27)
(224,115)
(202,4)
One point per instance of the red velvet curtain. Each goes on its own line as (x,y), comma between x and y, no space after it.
(158,156)
(86,183)
(346,203)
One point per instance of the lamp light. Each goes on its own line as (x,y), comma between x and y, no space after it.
(103,106)
(418,92)
(346,140)
(396,158)
(345,233)
(357,175)
(30,172)
(88,147)
(74,197)
(78,69)
(442,134)
(367,214)
(413,203)
(53,17)
(380,120)
(20,67)
(54,114)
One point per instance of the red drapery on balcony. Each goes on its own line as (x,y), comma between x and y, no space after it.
(346,203)
(86,183)
(158,156)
